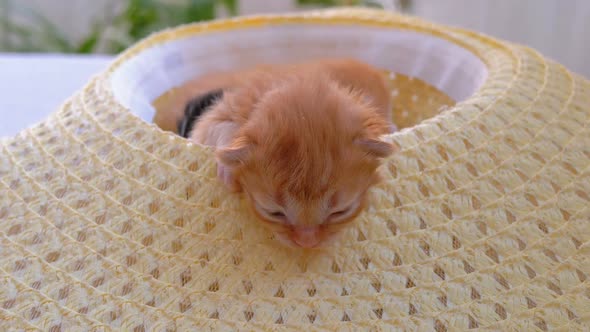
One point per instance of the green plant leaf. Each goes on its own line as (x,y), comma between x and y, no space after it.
(329,3)
(52,34)
(39,35)
(199,10)
(18,29)
(317,2)
(140,15)
(89,43)
(231,6)
(23,34)
(138,19)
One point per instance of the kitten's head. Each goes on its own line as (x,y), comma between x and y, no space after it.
(307,157)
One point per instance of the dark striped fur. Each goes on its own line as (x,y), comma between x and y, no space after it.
(195,108)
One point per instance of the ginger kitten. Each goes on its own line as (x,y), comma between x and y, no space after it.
(302,141)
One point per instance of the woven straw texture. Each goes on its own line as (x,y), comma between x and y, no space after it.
(482,222)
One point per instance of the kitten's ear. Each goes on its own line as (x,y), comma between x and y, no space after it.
(234,154)
(376,147)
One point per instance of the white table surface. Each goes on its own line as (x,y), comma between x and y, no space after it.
(34,85)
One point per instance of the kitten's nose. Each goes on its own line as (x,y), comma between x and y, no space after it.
(306,237)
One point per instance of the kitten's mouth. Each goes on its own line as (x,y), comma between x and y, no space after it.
(306,237)
(307,245)
(290,240)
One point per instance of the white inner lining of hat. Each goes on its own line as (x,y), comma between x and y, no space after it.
(444,65)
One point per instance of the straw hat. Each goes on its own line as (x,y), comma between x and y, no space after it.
(109,223)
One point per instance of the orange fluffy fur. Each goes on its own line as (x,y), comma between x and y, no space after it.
(301,140)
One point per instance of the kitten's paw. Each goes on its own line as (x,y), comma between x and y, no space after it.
(393,128)
(225,175)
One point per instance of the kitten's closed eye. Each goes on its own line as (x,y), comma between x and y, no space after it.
(342,213)
(276,214)
(338,216)
(339,213)
(272,214)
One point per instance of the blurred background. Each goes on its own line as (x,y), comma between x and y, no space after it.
(557,28)
(50,48)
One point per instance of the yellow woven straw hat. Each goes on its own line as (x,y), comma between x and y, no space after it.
(482,222)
